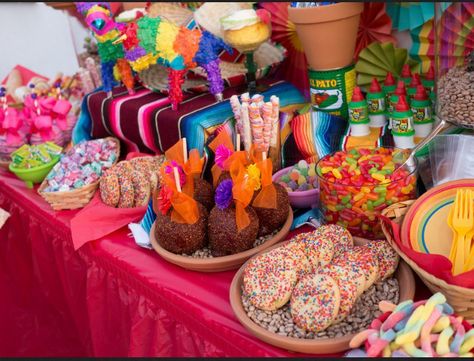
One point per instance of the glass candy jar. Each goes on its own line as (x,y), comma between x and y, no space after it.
(454,46)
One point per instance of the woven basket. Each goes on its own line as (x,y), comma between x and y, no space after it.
(460,298)
(171,11)
(76,198)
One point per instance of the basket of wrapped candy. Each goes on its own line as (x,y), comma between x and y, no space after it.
(72,182)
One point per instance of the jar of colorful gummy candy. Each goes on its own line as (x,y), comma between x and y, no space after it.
(356,185)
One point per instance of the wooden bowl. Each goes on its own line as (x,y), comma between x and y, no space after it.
(219,264)
(403,274)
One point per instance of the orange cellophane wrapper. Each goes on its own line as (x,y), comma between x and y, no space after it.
(242,192)
(192,168)
(221,138)
(185,208)
(267,198)
(255,154)
(176,153)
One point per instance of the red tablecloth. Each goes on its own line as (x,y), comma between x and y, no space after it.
(111,298)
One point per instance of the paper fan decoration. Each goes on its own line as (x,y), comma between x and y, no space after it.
(379,58)
(456,32)
(375,25)
(410,15)
(295,67)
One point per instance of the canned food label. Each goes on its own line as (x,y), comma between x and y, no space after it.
(332,89)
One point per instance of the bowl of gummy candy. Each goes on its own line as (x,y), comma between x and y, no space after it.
(356,185)
(301,183)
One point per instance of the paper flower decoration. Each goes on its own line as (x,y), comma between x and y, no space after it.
(222,154)
(164,199)
(253,173)
(223,196)
(375,25)
(169,171)
(409,15)
(378,59)
(295,67)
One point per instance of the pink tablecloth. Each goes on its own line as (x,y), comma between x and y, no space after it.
(111,298)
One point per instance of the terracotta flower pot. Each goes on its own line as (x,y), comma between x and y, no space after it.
(328,33)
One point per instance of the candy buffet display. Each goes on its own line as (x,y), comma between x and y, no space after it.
(427,328)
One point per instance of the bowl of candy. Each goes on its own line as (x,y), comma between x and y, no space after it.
(356,185)
(301,182)
(33,163)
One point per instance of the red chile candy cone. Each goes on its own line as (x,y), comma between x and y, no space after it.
(406,74)
(415,80)
(402,105)
(400,90)
(357,95)
(420,93)
(389,80)
(375,86)
(430,74)
(428,79)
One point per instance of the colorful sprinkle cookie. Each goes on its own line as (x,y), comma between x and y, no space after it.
(339,236)
(387,257)
(363,259)
(302,263)
(347,289)
(348,273)
(110,189)
(319,250)
(141,189)
(269,279)
(315,302)
(127,193)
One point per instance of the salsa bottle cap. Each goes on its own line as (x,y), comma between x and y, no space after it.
(430,74)
(400,90)
(357,96)
(415,80)
(402,105)
(389,80)
(375,86)
(406,72)
(420,93)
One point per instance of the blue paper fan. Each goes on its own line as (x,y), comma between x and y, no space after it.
(410,15)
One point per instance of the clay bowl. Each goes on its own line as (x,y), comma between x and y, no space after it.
(403,274)
(219,264)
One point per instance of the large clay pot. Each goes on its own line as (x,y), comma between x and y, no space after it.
(328,33)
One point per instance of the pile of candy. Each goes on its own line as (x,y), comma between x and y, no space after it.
(32,156)
(426,328)
(356,185)
(301,177)
(82,165)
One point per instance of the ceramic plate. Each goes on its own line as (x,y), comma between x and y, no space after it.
(425,227)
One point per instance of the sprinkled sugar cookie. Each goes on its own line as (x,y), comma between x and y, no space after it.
(146,165)
(315,302)
(339,236)
(127,194)
(348,272)
(387,257)
(141,189)
(296,252)
(109,188)
(347,289)
(319,250)
(360,259)
(269,279)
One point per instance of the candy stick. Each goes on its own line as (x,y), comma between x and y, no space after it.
(244,111)
(185,151)
(257,98)
(257,125)
(442,346)
(245,98)
(235,105)
(267,124)
(176,179)
(275,120)
(426,331)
